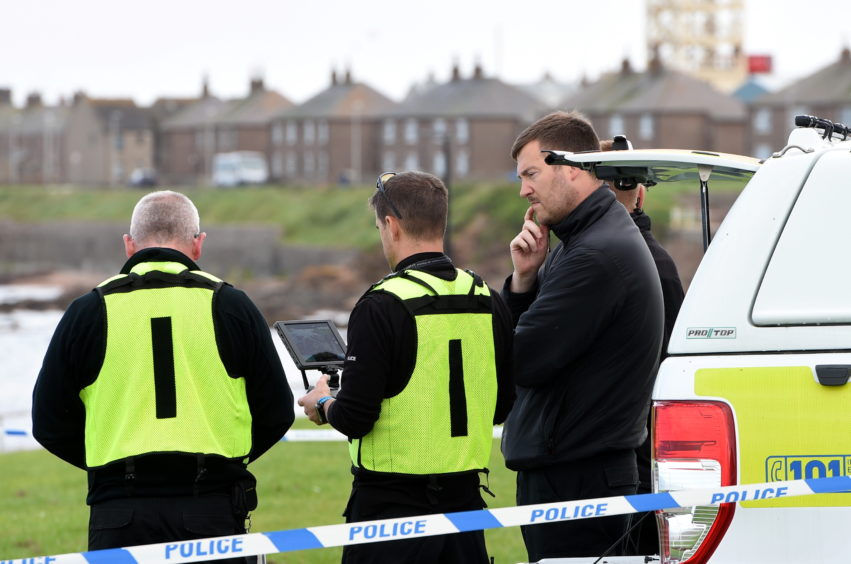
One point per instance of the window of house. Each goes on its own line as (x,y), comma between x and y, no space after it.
(462,163)
(322,130)
(389,130)
(462,130)
(388,160)
(290,167)
(439,130)
(309,132)
(410,131)
(226,139)
(277,133)
(439,164)
(616,125)
(646,127)
(411,161)
(292,132)
(762,120)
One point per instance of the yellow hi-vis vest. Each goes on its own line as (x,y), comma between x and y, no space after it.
(442,421)
(162,386)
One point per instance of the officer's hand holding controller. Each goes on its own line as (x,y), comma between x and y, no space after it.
(317,400)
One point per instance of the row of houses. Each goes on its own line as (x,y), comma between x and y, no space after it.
(350,131)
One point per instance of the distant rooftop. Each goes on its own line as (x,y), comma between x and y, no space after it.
(656,89)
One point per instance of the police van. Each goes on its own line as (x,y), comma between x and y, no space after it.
(756,386)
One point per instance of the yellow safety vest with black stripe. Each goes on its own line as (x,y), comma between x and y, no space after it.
(442,421)
(162,386)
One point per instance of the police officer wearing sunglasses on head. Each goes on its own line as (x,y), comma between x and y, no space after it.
(427,375)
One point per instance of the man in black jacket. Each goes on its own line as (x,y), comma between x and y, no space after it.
(427,374)
(644,539)
(163,383)
(588,329)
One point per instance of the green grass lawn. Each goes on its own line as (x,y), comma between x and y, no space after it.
(321,216)
(299,485)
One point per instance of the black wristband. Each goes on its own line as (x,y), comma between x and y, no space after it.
(320,408)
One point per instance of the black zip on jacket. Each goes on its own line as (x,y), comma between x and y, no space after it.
(586,341)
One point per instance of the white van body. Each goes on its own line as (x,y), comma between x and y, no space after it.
(239,168)
(755,388)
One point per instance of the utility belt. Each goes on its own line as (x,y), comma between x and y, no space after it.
(175,475)
(436,486)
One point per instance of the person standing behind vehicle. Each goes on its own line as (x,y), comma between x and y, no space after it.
(427,375)
(644,539)
(162,383)
(586,342)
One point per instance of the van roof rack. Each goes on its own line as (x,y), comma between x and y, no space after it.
(830,128)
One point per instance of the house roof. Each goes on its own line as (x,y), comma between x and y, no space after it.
(658,90)
(165,107)
(750,90)
(343,99)
(256,109)
(827,85)
(124,110)
(549,90)
(36,120)
(205,112)
(472,97)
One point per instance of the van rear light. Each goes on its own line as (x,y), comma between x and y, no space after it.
(694,446)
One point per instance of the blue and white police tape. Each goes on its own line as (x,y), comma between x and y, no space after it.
(253,544)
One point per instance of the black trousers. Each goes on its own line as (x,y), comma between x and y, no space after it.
(444,549)
(610,474)
(132,521)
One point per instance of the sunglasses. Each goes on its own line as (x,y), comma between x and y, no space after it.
(382,178)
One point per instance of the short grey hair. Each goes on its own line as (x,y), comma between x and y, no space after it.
(164,217)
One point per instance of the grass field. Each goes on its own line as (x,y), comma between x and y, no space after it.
(322,216)
(299,485)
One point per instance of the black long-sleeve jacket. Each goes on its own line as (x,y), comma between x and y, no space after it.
(73,361)
(586,341)
(672,288)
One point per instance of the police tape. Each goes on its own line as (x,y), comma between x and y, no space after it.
(325,536)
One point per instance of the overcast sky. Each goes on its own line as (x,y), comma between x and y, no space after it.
(145,49)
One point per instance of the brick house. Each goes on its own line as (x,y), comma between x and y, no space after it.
(106,140)
(32,141)
(332,137)
(662,108)
(825,93)
(188,143)
(245,125)
(162,109)
(193,135)
(464,127)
